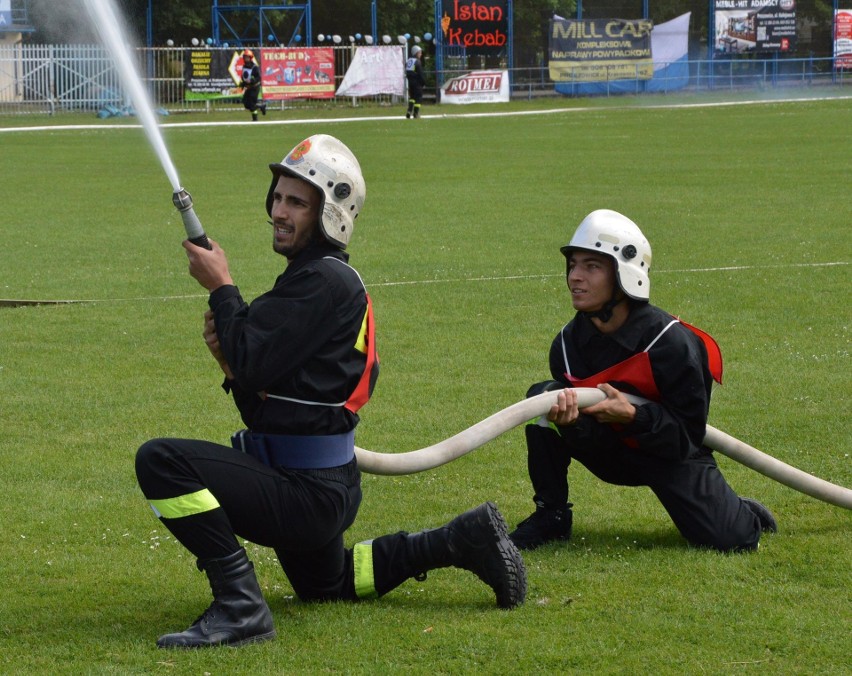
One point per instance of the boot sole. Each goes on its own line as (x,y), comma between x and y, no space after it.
(252,639)
(514,572)
(260,638)
(529,545)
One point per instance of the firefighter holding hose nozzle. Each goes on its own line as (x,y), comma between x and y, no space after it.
(299,361)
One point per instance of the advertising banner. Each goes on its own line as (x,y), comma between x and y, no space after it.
(843,39)
(208,74)
(5,12)
(755,26)
(297,73)
(600,50)
(479,86)
(374,70)
(481,27)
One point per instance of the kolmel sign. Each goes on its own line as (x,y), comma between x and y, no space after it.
(481,86)
(476,82)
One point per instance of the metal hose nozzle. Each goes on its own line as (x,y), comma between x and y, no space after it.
(194,231)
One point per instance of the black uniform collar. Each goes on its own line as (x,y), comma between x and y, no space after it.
(628,336)
(315,250)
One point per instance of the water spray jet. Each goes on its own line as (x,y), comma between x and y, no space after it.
(110,29)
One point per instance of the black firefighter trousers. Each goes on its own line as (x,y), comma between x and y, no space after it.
(703,507)
(301,514)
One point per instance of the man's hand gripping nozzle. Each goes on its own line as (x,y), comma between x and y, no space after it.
(194,231)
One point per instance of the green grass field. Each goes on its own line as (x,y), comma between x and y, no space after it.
(747,209)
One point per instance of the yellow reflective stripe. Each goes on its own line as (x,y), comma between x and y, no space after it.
(361,343)
(185,505)
(365,584)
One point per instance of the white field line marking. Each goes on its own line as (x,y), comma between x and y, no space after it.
(439,116)
(656,272)
(452,280)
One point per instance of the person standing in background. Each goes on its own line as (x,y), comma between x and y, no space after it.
(250,82)
(414,76)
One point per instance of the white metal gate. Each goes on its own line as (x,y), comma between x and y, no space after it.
(51,78)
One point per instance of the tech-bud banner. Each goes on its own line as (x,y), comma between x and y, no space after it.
(297,73)
(843,39)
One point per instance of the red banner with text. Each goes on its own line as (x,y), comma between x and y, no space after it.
(843,39)
(297,73)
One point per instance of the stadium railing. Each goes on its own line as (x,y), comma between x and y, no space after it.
(55,78)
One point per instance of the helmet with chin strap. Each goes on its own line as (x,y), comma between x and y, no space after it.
(327,164)
(612,234)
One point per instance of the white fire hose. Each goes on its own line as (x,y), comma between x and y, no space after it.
(524,411)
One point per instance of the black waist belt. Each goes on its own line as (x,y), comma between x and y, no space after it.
(296,451)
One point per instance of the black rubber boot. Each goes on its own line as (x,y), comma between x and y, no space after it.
(475,541)
(542,526)
(238,614)
(768,524)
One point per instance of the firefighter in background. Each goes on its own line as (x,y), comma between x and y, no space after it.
(619,342)
(414,76)
(299,362)
(250,82)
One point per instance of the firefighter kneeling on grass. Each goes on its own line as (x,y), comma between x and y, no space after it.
(299,361)
(619,342)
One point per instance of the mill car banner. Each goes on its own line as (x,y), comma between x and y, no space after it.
(754,26)
(298,73)
(600,50)
(479,86)
(481,27)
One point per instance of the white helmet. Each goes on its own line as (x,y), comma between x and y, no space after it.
(416,50)
(326,163)
(610,233)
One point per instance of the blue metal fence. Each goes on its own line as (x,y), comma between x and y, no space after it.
(52,78)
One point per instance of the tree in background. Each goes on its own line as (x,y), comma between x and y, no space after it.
(532,20)
(67,22)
